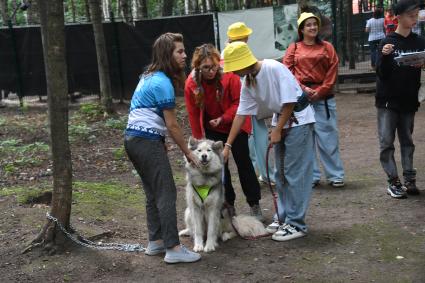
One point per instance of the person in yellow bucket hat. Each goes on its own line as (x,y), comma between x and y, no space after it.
(258,141)
(270,89)
(314,62)
(238,31)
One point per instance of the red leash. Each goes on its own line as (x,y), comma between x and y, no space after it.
(292,120)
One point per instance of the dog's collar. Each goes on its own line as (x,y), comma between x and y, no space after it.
(203,191)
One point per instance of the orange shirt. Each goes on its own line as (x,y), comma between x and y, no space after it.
(315,66)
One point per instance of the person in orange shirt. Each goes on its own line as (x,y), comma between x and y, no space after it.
(314,63)
(212,99)
(390,21)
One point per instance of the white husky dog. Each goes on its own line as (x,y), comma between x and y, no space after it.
(205,199)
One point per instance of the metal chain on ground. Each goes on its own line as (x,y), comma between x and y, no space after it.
(98,246)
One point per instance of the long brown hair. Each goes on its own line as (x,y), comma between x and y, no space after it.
(163,60)
(206,51)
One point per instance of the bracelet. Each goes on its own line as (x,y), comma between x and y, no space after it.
(228,145)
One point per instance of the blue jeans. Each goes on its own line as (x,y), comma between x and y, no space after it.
(389,122)
(293,184)
(326,142)
(374,51)
(258,143)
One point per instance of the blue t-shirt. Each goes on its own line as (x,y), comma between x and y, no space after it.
(154,93)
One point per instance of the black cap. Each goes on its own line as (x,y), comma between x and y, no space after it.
(404,6)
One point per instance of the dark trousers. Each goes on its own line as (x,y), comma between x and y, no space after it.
(390,121)
(151,163)
(247,177)
(374,51)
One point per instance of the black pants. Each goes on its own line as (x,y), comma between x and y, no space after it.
(247,177)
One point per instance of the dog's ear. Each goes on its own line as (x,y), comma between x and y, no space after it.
(192,143)
(217,146)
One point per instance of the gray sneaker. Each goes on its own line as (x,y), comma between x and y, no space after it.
(154,248)
(256,212)
(182,255)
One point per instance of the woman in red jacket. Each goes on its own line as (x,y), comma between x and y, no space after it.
(212,99)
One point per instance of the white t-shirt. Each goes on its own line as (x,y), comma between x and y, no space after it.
(376,29)
(276,85)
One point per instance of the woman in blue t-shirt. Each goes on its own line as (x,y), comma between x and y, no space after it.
(152,114)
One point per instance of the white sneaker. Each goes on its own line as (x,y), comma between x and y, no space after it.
(272,228)
(287,232)
(265,181)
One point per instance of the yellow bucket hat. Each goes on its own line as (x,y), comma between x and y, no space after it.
(304,16)
(238,30)
(237,56)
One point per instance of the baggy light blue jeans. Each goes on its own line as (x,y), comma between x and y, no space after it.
(326,142)
(258,143)
(293,184)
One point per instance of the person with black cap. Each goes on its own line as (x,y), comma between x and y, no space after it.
(397,99)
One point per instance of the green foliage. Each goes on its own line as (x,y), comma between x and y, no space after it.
(119,153)
(2,121)
(21,155)
(118,124)
(79,131)
(91,110)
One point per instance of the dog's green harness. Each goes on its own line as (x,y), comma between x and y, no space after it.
(203,191)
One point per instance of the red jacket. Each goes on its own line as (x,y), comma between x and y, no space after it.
(214,105)
(317,64)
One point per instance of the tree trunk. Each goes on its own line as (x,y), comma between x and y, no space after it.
(351,55)
(236,5)
(53,38)
(204,6)
(4,11)
(73,13)
(142,9)
(195,6)
(87,9)
(33,16)
(102,58)
(105,9)
(167,8)
(126,10)
(209,6)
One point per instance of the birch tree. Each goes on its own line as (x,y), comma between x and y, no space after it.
(102,58)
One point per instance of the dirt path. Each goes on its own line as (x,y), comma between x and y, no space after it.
(357,233)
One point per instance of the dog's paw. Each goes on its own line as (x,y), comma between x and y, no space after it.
(198,248)
(185,232)
(210,247)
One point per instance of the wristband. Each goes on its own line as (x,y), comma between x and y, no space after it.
(228,145)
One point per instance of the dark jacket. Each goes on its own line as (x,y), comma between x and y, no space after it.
(397,86)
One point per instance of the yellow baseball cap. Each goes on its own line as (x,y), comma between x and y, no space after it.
(237,56)
(304,16)
(238,30)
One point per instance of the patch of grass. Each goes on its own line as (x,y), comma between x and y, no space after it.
(18,155)
(104,201)
(25,195)
(3,121)
(91,110)
(79,131)
(119,153)
(92,201)
(118,124)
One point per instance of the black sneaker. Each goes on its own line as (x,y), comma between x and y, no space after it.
(396,189)
(411,188)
